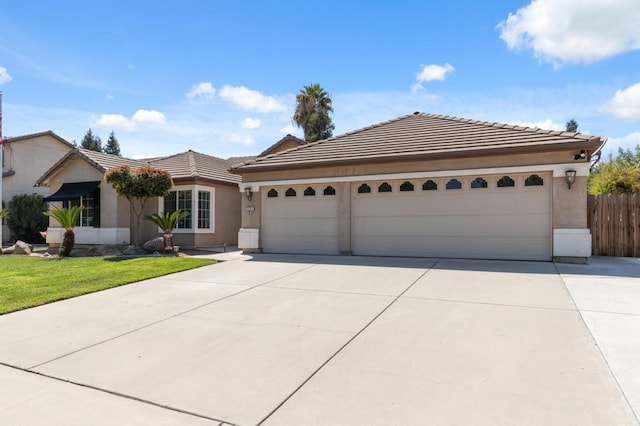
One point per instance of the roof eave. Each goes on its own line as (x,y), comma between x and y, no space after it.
(590,144)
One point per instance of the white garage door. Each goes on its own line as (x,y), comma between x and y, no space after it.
(300,220)
(501,217)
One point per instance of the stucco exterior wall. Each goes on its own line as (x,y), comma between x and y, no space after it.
(570,205)
(113,209)
(24,161)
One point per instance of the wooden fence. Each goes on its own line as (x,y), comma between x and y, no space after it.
(614,220)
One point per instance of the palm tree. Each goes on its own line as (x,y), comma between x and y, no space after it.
(313,106)
(168,221)
(67,219)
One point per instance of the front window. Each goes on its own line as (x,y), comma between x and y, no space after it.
(180,200)
(204,210)
(89,215)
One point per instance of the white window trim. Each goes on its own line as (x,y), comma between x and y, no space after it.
(194,209)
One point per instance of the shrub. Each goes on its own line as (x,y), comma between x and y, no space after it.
(26,219)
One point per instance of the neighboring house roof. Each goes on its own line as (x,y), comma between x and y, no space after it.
(288,140)
(12,139)
(188,165)
(422,136)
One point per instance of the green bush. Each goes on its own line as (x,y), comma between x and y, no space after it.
(26,219)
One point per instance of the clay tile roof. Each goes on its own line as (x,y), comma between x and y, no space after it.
(188,165)
(105,162)
(421,136)
(194,165)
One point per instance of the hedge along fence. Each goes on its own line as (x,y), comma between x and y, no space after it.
(614,220)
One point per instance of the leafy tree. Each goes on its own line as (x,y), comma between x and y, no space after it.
(91,141)
(138,186)
(572,126)
(313,106)
(25,219)
(67,219)
(113,147)
(617,175)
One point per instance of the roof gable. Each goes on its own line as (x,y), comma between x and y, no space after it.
(422,136)
(13,139)
(285,143)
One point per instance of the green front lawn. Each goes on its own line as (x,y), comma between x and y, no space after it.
(33,281)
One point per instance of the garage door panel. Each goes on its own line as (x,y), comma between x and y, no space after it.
(453,225)
(306,225)
(450,246)
(508,223)
(300,226)
(445,204)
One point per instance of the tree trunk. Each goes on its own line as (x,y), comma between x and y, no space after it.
(68,241)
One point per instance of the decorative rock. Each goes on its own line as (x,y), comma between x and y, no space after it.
(20,247)
(132,251)
(155,245)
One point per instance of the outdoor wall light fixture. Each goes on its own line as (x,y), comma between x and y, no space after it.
(249,193)
(570,177)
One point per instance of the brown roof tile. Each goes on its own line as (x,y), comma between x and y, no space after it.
(194,165)
(188,165)
(421,136)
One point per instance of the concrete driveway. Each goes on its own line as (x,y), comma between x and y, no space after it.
(311,340)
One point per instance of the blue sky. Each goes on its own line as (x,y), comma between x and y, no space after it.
(220,77)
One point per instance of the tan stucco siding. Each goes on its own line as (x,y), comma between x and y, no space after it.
(25,161)
(113,209)
(227,214)
(570,205)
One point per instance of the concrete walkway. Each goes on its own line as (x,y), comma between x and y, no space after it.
(312,340)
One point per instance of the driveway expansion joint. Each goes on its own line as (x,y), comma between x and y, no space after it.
(347,343)
(595,342)
(118,394)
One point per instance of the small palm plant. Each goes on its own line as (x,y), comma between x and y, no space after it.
(67,217)
(168,221)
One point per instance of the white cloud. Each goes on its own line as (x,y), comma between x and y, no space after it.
(4,76)
(431,73)
(625,104)
(202,91)
(149,116)
(119,121)
(629,141)
(574,31)
(547,124)
(251,123)
(241,139)
(251,100)
(110,97)
(434,72)
(115,121)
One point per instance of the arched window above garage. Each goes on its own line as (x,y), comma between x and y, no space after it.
(272,193)
(290,192)
(364,189)
(329,190)
(478,183)
(454,184)
(384,187)
(309,192)
(505,182)
(406,186)
(534,180)
(429,186)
